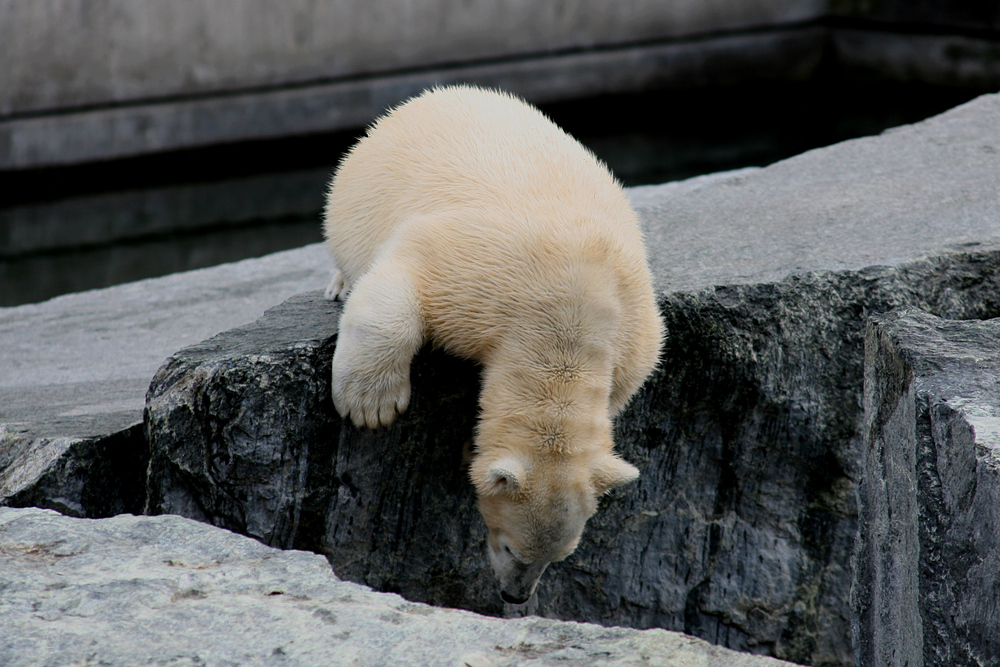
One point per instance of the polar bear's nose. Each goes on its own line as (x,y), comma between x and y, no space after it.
(510,599)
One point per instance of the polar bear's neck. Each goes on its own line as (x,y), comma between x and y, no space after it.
(555,397)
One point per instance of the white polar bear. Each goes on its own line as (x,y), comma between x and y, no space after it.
(467,218)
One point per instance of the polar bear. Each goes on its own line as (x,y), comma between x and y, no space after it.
(467,219)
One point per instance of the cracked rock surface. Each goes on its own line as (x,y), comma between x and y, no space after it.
(749,437)
(928,550)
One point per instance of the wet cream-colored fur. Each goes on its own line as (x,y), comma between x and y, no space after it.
(466,218)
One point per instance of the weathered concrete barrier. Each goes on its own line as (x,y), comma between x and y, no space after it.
(128,79)
(928,550)
(141,79)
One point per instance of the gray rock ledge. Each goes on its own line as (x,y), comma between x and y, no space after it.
(739,531)
(74,372)
(928,552)
(166,590)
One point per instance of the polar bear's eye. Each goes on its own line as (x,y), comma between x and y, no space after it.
(510,552)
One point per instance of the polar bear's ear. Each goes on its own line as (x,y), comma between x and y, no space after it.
(610,471)
(503,476)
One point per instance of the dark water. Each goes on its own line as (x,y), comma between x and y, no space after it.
(71,229)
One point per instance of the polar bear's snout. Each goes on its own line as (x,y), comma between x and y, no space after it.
(509,599)
(534,516)
(517,580)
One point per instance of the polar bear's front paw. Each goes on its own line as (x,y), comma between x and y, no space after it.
(371,398)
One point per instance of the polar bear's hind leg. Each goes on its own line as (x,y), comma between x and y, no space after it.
(380,331)
(336,286)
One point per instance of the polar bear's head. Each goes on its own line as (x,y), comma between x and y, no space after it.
(536,505)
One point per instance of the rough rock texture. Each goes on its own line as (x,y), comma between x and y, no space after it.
(739,531)
(74,372)
(166,590)
(928,552)
(94,477)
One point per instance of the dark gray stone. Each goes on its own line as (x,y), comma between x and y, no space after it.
(739,531)
(170,591)
(749,438)
(934,58)
(96,220)
(74,372)
(928,553)
(93,477)
(944,15)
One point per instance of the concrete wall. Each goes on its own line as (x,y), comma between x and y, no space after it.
(68,54)
(84,80)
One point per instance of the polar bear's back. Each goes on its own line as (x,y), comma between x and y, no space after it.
(464,148)
(503,236)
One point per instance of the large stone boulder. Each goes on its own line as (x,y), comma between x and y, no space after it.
(166,590)
(928,550)
(739,531)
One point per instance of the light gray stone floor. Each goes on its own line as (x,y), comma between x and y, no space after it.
(166,590)
(915,191)
(79,365)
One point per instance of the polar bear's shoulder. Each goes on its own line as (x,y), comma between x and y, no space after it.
(480,137)
(497,160)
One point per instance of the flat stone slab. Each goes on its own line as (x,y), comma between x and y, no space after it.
(915,191)
(78,365)
(74,370)
(167,590)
